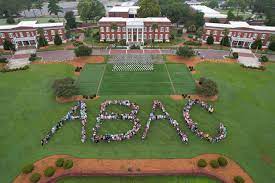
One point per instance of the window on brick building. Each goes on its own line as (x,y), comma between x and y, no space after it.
(28,34)
(208,32)
(167,29)
(45,32)
(124,36)
(118,29)
(215,32)
(145,29)
(161,36)
(107,36)
(101,29)
(162,29)
(119,36)
(102,36)
(230,34)
(255,35)
(166,36)
(150,36)
(113,36)
(52,32)
(124,29)
(263,36)
(156,36)
(10,35)
(60,31)
(245,35)
(145,36)
(32,33)
(239,34)
(107,29)
(16,34)
(150,29)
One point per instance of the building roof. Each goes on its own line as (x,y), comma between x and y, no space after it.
(208,12)
(238,24)
(148,19)
(31,24)
(124,9)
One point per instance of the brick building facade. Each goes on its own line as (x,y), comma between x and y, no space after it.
(241,33)
(123,11)
(134,30)
(25,33)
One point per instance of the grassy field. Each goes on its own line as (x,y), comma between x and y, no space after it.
(166,79)
(245,106)
(162,179)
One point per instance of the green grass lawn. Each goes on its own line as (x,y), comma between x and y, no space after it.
(160,179)
(136,83)
(245,106)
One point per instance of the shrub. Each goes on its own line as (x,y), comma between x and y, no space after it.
(65,87)
(32,57)
(222,161)
(10,20)
(82,51)
(42,41)
(77,43)
(202,163)
(214,164)
(49,171)
(210,39)
(59,162)
(225,41)
(57,40)
(35,177)
(263,58)
(68,164)
(207,87)
(185,51)
(238,179)
(16,69)
(193,43)
(190,36)
(51,20)
(28,168)
(3,60)
(235,55)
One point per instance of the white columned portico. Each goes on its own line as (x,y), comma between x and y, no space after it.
(142,35)
(131,24)
(132,34)
(137,35)
(127,35)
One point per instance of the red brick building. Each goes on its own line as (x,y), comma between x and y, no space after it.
(123,11)
(25,33)
(134,30)
(241,33)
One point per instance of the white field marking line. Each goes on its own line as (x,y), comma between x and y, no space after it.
(99,85)
(170,79)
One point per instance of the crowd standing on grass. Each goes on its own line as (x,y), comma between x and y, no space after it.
(104,115)
(71,115)
(193,126)
(164,115)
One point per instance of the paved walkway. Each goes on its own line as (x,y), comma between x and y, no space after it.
(137,167)
(58,55)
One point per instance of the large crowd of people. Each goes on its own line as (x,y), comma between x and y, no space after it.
(193,126)
(71,115)
(164,115)
(104,115)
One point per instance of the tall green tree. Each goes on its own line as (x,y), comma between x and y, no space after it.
(148,8)
(70,20)
(90,10)
(213,4)
(39,5)
(239,5)
(54,8)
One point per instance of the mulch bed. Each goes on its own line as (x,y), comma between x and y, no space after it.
(193,61)
(136,167)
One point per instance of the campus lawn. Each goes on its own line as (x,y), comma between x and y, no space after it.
(245,106)
(160,179)
(166,79)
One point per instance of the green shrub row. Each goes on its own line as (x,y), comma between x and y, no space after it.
(17,69)
(48,172)
(66,164)
(221,161)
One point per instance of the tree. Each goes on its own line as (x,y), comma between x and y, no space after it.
(199,19)
(148,8)
(257,44)
(213,4)
(185,51)
(210,39)
(70,20)
(65,87)
(271,45)
(39,5)
(10,20)
(225,40)
(230,15)
(90,10)
(207,87)
(238,4)
(7,45)
(57,40)
(54,8)
(114,27)
(82,51)
(41,39)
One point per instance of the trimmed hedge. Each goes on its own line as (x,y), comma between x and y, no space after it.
(49,171)
(238,179)
(17,69)
(214,164)
(59,162)
(28,169)
(235,55)
(202,163)
(68,164)
(222,161)
(35,177)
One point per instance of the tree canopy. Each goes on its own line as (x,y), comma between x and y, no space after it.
(90,10)
(54,8)
(148,8)
(70,20)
